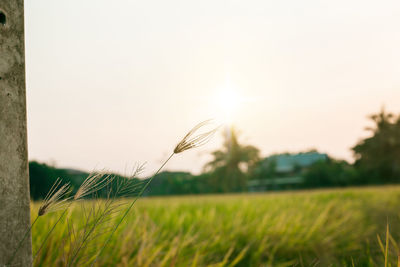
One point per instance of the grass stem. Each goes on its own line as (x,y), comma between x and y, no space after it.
(129,208)
(51,230)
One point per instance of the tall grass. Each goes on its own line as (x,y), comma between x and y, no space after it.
(189,141)
(313,228)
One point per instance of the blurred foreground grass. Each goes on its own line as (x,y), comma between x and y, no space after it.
(308,228)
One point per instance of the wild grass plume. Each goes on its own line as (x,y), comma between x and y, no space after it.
(94,182)
(189,141)
(55,198)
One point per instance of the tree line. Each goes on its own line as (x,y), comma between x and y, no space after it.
(377,161)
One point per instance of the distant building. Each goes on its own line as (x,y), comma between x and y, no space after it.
(284,171)
(287,163)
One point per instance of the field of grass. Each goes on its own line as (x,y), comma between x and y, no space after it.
(311,228)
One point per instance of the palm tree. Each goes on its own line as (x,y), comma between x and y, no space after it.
(378,156)
(231,164)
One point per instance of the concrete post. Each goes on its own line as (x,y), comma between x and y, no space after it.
(14,180)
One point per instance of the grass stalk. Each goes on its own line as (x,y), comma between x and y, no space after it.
(130,207)
(387,245)
(51,230)
(91,230)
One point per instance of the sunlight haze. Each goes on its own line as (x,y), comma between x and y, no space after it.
(111,83)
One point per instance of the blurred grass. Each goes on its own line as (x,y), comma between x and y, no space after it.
(344,227)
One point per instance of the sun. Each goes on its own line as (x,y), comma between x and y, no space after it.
(227,101)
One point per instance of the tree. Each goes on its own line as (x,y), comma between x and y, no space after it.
(265,169)
(329,173)
(231,164)
(41,178)
(378,156)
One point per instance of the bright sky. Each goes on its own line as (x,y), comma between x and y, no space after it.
(110,83)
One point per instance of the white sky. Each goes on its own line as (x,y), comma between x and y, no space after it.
(110,83)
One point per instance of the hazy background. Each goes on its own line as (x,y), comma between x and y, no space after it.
(114,82)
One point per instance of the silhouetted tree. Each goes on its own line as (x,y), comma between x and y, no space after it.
(41,178)
(378,157)
(329,173)
(264,169)
(231,164)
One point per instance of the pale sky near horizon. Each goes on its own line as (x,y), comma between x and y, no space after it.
(110,83)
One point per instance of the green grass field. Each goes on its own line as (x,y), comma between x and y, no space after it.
(344,227)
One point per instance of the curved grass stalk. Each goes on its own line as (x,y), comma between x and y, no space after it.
(49,232)
(126,186)
(129,208)
(97,221)
(92,183)
(189,141)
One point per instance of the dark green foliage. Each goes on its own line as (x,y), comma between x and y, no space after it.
(330,173)
(172,183)
(378,157)
(265,170)
(42,177)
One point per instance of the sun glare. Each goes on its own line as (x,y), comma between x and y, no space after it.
(228,102)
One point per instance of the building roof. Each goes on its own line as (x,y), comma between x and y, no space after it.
(288,162)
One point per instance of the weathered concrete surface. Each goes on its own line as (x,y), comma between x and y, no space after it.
(14,181)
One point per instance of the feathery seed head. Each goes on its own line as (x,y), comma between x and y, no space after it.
(55,198)
(191,141)
(137,170)
(94,182)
